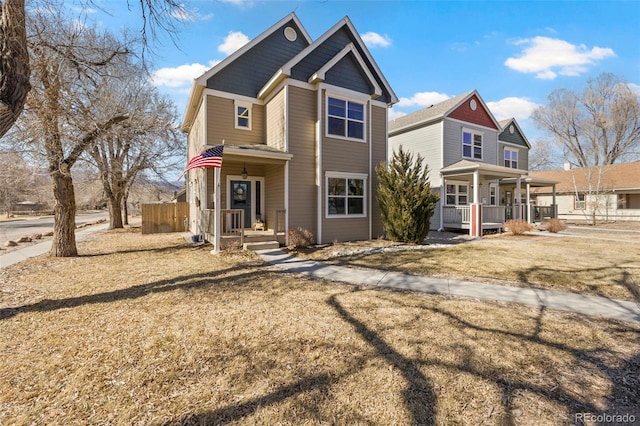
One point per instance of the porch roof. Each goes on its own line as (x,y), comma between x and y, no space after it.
(488,171)
(534,182)
(254,152)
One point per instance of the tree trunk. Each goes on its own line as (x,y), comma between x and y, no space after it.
(64,211)
(125,212)
(115,211)
(14,63)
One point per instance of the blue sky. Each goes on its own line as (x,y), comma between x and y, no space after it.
(514,52)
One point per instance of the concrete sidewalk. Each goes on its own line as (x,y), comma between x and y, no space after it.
(23,253)
(562,301)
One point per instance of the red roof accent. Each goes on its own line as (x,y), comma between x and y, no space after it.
(480,116)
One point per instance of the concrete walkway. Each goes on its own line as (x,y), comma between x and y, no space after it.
(23,253)
(562,301)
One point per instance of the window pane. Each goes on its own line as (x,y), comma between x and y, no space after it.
(337,107)
(356,130)
(507,155)
(477,140)
(462,189)
(466,138)
(243,122)
(356,205)
(243,112)
(356,187)
(466,150)
(451,189)
(356,111)
(463,200)
(336,126)
(336,205)
(336,186)
(451,200)
(477,152)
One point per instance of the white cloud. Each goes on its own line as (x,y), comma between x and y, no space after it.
(635,88)
(179,76)
(181,13)
(372,39)
(232,42)
(422,99)
(518,108)
(239,3)
(393,114)
(549,57)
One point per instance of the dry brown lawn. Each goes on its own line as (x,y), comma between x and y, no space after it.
(149,330)
(603,264)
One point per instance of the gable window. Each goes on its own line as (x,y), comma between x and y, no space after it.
(457,195)
(242,115)
(345,118)
(511,158)
(346,195)
(472,144)
(580,201)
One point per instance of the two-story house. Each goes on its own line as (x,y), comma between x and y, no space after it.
(477,164)
(303,123)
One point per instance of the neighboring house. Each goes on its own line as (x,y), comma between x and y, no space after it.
(303,123)
(478,165)
(610,193)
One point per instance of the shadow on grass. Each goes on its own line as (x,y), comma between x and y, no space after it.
(419,397)
(184,282)
(625,392)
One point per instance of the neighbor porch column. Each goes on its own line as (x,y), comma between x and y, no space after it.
(518,201)
(528,202)
(475,227)
(216,211)
(443,194)
(554,207)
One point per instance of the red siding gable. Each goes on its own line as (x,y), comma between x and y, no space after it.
(480,116)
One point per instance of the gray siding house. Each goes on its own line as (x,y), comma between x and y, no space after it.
(478,165)
(303,124)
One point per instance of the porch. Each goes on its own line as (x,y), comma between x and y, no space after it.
(233,232)
(494,217)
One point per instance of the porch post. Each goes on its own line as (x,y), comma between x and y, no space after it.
(528,202)
(216,212)
(554,207)
(443,195)
(518,200)
(475,227)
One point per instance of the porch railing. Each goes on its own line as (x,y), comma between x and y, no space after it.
(493,214)
(456,214)
(541,212)
(231,223)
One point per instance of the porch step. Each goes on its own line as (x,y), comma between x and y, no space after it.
(262,245)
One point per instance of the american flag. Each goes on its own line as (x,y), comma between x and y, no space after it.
(211,158)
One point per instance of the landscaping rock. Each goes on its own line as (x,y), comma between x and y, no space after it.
(10,243)
(48,234)
(24,239)
(36,237)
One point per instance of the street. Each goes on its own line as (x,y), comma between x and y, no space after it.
(14,229)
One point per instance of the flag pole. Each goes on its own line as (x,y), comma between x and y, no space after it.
(217,207)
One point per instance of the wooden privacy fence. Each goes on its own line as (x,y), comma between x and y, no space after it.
(165,217)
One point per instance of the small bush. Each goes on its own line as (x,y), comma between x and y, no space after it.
(300,238)
(556,225)
(518,226)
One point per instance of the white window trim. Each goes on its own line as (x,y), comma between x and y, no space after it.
(504,159)
(457,193)
(363,101)
(248,106)
(342,175)
(473,132)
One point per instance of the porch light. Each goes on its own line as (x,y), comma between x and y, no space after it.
(244,171)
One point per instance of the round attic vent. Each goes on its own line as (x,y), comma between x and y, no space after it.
(512,129)
(473,104)
(290,34)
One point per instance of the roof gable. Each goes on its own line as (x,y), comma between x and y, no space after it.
(516,137)
(472,109)
(330,49)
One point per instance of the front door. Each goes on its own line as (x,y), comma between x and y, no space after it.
(241,199)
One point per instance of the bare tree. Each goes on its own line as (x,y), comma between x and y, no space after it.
(14,59)
(16,178)
(542,156)
(598,127)
(147,141)
(68,61)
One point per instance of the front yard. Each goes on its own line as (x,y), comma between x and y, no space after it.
(150,330)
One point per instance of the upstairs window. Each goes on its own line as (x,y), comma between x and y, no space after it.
(472,145)
(345,118)
(511,158)
(242,115)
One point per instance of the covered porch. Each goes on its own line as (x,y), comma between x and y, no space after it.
(478,197)
(245,200)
